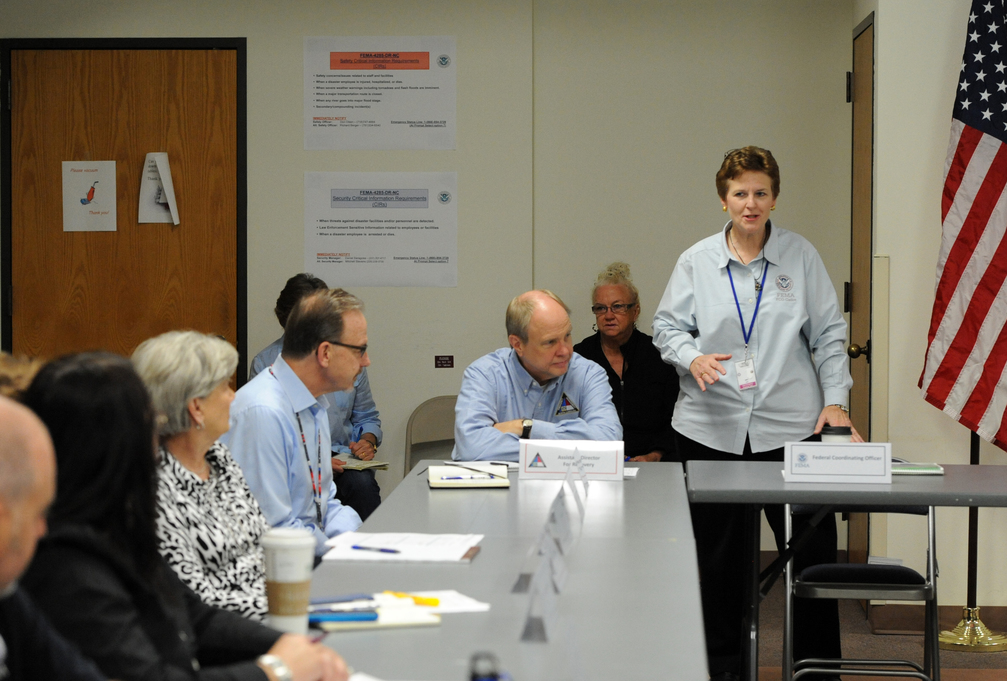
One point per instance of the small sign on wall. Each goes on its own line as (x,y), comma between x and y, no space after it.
(89,196)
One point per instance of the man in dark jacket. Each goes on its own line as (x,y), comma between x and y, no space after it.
(29,647)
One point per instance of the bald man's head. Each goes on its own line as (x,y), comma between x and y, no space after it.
(27,486)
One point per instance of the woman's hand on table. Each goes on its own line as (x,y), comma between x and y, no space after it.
(832,415)
(705,367)
(309,661)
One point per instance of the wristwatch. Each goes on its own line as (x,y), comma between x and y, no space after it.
(526,428)
(841,406)
(277,666)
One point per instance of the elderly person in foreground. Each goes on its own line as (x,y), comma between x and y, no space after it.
(208,522)
(98,575)
(644,388)
(538,387)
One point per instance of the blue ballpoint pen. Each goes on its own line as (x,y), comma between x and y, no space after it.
(374,548)
(356,616)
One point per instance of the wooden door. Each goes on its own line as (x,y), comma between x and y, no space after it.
(72,291)
(861,254)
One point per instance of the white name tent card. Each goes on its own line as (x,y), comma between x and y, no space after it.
(550,459)
(853,462)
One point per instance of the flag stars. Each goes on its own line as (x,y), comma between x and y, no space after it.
(993,28)
(965,104)
(974,37)
(1004,105)
(981,75)
(979,56)
(1001,86)
(988,7)
(987,115)
(996,47)
(963,86)
(972,18)
(984,96)
(1000,67)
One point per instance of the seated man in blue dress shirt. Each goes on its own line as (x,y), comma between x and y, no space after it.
(354,422)
(537,388)
(279,427)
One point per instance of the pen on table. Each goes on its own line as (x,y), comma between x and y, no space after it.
(374,548)
(466,477)
(474,470)
(356,616)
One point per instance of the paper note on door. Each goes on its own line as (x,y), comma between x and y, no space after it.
(157,193)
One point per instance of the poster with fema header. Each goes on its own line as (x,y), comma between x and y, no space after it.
(379,92)
(381,229)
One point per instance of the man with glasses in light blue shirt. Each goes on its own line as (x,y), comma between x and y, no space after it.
(354,421)
(279,431)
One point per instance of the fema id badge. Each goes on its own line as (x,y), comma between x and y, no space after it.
(746,373)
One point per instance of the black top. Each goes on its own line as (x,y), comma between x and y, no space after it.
(33,648)
(131,628)
(644,397)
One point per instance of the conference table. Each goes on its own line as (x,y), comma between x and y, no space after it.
(756,483)
(630,607)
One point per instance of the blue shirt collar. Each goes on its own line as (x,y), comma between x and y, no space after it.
(771,251)
(524,381)
(298,394)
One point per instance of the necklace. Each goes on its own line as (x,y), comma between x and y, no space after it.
(758,284)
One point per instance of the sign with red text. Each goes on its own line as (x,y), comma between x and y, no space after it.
(396,92)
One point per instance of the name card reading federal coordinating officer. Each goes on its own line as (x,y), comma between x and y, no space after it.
(849,462)
(550,459)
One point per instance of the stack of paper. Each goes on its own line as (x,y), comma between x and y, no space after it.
(355,464)
(917,469)
(397,547)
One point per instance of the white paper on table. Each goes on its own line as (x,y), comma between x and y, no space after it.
(412,547)
(630,472)
(157,192)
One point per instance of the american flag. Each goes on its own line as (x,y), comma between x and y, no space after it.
(967,345)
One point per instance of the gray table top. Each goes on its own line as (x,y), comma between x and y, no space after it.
(756,482)
(630,607)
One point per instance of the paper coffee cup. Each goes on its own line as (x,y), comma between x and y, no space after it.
(290,556)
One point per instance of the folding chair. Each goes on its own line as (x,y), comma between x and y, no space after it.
(860,582)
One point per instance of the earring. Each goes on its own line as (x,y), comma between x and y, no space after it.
(594,327)
(773,208)
(725,208)
(199,426)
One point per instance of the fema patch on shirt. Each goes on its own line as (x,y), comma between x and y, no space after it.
(566,406)
(785,289)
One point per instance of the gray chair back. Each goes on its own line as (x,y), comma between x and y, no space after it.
(430,433)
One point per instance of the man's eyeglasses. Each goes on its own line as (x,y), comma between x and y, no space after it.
(617,308)
(362,349)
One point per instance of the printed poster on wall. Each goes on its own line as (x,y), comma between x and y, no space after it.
(379,93)
(88,196)
(381,229)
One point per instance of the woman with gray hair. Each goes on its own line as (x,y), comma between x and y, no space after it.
(208,522)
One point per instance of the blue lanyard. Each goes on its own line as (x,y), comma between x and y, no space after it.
(748,333)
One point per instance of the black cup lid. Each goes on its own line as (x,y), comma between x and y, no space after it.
(837,430)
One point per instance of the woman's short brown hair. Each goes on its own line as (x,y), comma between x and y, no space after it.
(746,159)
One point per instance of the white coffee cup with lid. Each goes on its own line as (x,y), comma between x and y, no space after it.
(290,557)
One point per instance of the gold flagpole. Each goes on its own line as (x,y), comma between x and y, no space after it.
(971,635)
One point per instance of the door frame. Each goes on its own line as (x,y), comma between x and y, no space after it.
(241,159)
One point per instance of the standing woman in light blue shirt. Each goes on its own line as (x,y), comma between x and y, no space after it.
(751,320)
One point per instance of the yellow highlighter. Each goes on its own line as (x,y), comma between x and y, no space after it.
(418,600)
